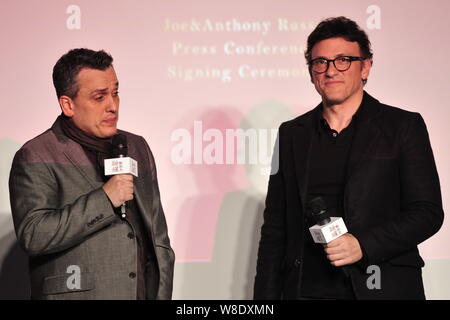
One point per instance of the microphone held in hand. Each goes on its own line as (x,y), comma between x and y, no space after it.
(120,150)
(120,163)
(319,211)
(326,228)
(119,146)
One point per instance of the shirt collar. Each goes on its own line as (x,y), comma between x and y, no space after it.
(356,118)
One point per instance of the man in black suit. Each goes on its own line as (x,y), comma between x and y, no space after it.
(371,163)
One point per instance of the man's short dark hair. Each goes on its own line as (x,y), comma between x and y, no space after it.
(339,27)
(66,69)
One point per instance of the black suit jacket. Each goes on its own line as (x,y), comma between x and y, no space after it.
(392,202)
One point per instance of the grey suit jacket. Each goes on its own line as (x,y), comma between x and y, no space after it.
(78,247)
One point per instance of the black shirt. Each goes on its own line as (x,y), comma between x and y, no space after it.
(327,177)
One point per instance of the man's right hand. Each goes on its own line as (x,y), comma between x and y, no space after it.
(119,189)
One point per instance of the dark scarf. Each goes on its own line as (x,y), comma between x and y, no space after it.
(90,142)
(100,148)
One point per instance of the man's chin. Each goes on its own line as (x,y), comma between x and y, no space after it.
(332,100)
(331,95)
(107,133)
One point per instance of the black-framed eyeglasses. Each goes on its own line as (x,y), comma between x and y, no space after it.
(320,65)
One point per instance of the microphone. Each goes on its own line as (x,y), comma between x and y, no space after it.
(326,228)
(119,146)
(120,163)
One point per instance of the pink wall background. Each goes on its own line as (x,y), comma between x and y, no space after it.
(410,71)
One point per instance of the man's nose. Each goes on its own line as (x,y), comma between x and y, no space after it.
(331,71)
(113,104)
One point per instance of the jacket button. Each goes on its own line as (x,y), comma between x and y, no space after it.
(132,275)
(297,263)
(131,235)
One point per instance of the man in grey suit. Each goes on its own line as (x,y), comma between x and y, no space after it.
(67,213)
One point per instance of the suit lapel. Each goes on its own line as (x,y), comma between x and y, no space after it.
(143,201)
(76,156)
(143,204)
(366,134)
(74,153)
(363,141)
(302,143)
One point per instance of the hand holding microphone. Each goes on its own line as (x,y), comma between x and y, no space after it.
(341,247)
(326,228)
(120,188)
(343,250)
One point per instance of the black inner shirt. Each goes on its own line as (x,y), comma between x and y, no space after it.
(327,177)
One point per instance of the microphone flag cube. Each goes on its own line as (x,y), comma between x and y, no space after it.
(124,165)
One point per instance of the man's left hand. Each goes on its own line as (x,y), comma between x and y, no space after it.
(343,250)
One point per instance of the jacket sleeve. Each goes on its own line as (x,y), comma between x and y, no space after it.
(421,213)
(41,223)
(271,252)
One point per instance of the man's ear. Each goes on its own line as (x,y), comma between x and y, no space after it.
(67,106)
(366,65)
